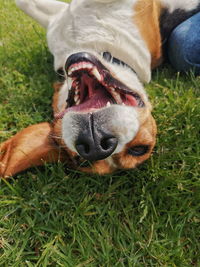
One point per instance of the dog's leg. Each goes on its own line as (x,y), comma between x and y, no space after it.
(41,10)
(31,147)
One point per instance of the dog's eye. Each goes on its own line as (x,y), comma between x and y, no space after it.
(138,151)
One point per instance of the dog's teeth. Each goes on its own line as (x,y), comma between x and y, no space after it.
(70,71)
(116,96)
(108,104)
(96,74)
(76,98)
(112,89)
(80,65)
(78,102)
(76,91)
(69,83)
(88,66)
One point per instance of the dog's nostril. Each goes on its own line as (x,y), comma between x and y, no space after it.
(107,143)
(84,147)
(95,149)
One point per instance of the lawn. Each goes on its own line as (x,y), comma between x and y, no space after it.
(53,216)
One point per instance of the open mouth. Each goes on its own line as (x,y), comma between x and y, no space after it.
(92,86)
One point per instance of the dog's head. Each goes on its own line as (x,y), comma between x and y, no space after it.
(104,114)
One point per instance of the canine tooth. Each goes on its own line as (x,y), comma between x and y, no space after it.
(112,89)
(69,72)
(73,69)
(117,97)
(76,98)
(108,104)
(76,91)
(78,102)
(96,74)
(69,82)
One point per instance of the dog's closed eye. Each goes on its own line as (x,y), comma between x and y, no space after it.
(139,150)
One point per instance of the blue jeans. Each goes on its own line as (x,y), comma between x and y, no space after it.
(184,45)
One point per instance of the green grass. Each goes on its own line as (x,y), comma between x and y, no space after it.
(52,216)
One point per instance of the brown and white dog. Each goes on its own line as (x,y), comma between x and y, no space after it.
(106,50)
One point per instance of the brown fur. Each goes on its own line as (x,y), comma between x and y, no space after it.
(31,147)
(146,17)
(146,135)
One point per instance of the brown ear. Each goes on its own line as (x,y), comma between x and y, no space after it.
(31,147)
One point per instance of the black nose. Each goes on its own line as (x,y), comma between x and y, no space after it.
(95,145)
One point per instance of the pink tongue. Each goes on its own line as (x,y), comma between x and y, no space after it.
(96,101)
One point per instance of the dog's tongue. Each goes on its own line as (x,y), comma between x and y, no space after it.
(98,99)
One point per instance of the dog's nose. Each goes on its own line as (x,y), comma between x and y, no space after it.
(96,146)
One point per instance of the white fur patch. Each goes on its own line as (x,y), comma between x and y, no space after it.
(187,5)
(124,125)
(96,27)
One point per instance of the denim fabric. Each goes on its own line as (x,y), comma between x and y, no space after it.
(184,45)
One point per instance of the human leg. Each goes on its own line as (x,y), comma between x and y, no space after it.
(184,45)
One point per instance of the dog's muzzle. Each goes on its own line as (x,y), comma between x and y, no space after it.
(100,117)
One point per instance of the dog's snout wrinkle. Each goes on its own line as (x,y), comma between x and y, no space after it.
(95,143)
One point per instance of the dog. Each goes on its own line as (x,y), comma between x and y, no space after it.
(106,50)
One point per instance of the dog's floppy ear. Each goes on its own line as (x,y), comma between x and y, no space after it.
(31,147)
(41,10)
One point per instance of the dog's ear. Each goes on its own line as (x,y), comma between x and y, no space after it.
(31,147)
(41,10)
